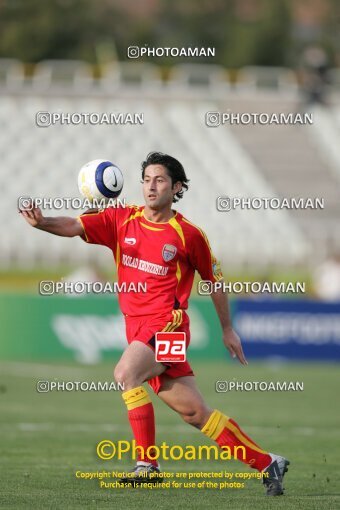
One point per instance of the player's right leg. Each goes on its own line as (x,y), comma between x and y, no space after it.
(183,396)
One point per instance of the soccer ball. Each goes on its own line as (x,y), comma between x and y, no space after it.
(100,180)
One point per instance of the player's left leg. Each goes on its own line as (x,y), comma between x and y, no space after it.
(182,395)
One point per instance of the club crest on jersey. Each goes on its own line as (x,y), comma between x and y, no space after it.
(169,252)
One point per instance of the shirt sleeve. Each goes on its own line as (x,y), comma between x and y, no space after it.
(202,258)
(100,227)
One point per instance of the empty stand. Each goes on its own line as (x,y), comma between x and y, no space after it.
(234,161)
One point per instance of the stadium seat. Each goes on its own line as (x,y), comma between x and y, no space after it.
(62,73)
(199,75)
(276,78)
(12,73)
(125,74)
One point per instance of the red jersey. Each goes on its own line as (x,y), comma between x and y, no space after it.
(164,256)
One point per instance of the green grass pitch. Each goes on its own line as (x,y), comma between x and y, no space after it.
(47,437)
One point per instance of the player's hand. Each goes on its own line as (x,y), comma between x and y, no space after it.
(32,215)
(233,343)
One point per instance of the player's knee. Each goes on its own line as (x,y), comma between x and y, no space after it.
(120,373)
(197,417)
(125,376)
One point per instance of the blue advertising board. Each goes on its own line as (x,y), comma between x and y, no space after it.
(293,329)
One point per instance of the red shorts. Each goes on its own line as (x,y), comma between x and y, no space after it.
(143,329)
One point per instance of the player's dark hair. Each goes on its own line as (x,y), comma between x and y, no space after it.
(174,169)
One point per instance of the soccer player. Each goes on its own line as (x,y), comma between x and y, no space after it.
(157,245)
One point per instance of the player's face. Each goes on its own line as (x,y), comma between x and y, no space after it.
(157,187)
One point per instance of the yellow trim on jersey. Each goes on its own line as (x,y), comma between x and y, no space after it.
(174,223)
(218,275)
(178,272)
(138,214)
(200,230)
(150,228)
(84,231)
(117,255)
(176,322)
(92,213)
(132,206)
(82,224)
(158,222)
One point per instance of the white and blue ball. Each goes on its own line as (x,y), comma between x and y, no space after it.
(100,180)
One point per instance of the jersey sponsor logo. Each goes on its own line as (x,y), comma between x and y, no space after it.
(170,347)
(144,265)
(169,252)
(130,240)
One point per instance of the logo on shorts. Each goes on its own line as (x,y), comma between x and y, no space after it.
(170,347)
(169,251)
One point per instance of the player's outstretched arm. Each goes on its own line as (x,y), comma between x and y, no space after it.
(60,226)
(230,338)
